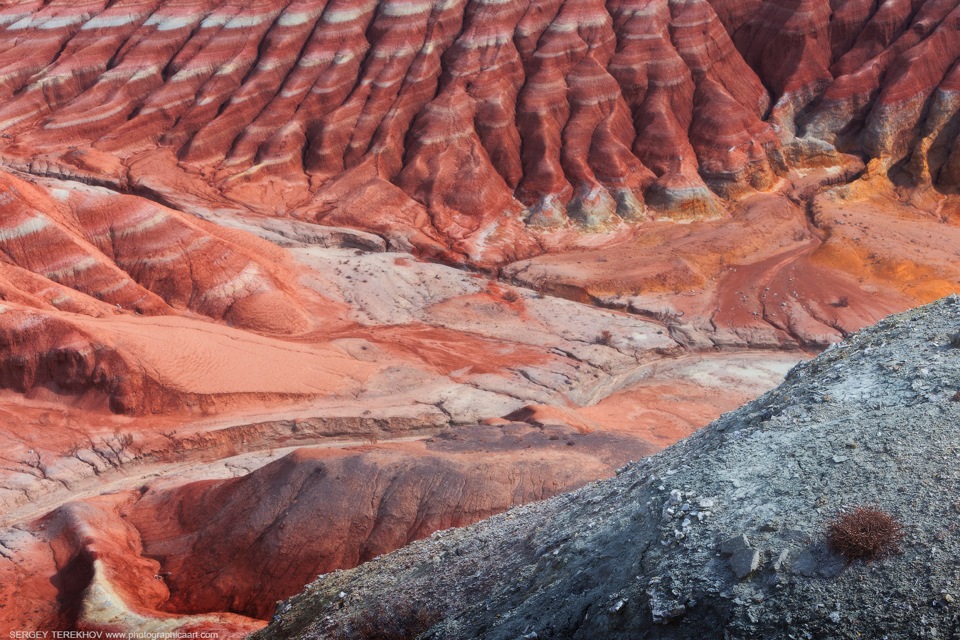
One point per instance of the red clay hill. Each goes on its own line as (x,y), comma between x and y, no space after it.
(379,114)
(285,285)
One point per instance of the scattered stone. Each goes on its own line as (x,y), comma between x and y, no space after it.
(781,561)
(745,562)
(618,605)
(733,545)
(664,609)
(818,561)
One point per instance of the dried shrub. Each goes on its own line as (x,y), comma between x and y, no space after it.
(604,338)
(866,533)
(842,302)
(510,295)
(403,621)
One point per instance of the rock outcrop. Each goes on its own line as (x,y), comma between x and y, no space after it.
(724,530)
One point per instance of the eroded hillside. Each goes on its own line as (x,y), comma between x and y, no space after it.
(256,253)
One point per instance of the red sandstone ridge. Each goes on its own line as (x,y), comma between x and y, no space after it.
(375,115)
(407,492)
(875,79)
(165,557)
(88,249)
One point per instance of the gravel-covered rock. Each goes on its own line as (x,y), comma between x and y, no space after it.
(720,535)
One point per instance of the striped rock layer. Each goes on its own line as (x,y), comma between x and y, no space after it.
(467,131)
(451,126)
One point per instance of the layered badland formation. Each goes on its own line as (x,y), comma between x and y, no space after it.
(721,535)
(288,285)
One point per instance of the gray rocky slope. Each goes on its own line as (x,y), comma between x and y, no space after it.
(719,536)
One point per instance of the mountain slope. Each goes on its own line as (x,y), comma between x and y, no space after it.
(654,552)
